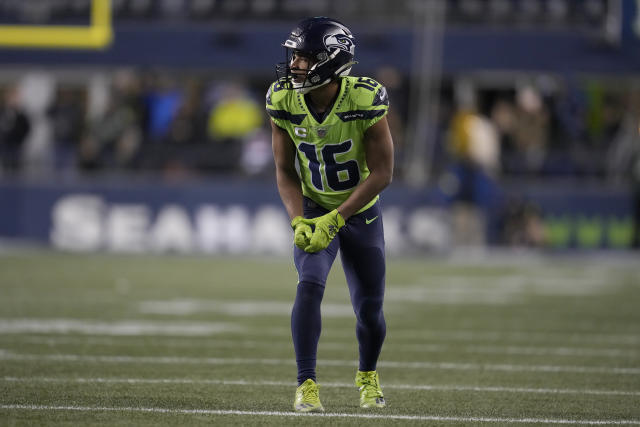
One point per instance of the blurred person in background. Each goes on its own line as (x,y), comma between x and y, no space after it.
(183,150)
(474,149)
(335,128)
(503,115)
(522,224)
(234,118)
(162,98)
(14,128)
(67,116)
(114,136)
(624,158)
(531,131)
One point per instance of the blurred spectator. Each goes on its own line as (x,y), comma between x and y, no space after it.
(162,100)
(503,115)
(624,157)
(113,137)
(67,119)
(474,149)
(235,114)
(183,150)
(233,118)
(14,128)
(521,224)
(531,131)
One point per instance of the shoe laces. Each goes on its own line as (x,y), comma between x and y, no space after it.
(310,393)
(370,386)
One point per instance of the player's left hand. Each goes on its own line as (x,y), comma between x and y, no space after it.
(326,228)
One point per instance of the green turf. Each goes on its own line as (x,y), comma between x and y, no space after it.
(506,339)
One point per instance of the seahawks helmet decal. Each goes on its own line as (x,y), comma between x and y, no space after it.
(340,41)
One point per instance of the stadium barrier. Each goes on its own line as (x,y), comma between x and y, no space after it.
(240,217)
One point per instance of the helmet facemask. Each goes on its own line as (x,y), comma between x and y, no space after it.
(300,80)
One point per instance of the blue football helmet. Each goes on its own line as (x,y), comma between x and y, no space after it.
(328,44)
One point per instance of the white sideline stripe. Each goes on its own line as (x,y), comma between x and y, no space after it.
(6,355)
(328,385)
(431,348)
(320,415)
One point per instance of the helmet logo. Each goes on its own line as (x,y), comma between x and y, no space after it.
(340,41)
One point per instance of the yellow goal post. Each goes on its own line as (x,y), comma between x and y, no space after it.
(97,35)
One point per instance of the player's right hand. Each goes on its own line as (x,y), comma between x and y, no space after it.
(326,228)
(301,232)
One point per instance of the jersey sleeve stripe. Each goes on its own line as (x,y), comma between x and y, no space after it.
(285,115)
(381,98)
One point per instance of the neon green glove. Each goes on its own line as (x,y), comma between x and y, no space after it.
(301,232)
(327,226)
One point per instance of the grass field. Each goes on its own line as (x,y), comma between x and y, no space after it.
(141,340)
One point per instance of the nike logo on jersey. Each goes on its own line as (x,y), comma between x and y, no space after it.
(369,221)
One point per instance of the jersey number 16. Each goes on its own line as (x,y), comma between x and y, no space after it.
(339,176)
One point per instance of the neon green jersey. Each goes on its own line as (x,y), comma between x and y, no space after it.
(330,152)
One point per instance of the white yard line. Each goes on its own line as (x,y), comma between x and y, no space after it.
(485,336)
(7,355)
(319,415)
(145,327)
(119,328)
(398,346)
(553,351)
(422,387)
(180,328)
(527,336)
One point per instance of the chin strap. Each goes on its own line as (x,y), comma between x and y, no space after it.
(306,89)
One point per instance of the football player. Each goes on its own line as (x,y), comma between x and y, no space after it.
(334,127)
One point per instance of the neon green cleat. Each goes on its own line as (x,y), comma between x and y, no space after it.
(371,396)
(308,397)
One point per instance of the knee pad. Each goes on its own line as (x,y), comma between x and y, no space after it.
(369,311)
(310,291)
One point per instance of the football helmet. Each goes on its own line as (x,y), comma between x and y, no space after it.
(327,43)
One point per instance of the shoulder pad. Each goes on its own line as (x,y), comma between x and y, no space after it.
(275,94)
(369,93)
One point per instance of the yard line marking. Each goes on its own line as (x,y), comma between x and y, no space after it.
(319,415)
(125,328)
(432,348)
(7,355)
(553,351)
(326,385)
(484,336)
(489,336)
(242,308)
(144,327)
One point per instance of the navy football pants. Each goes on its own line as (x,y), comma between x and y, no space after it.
(361,244)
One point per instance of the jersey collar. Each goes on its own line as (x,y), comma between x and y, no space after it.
(319,118)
